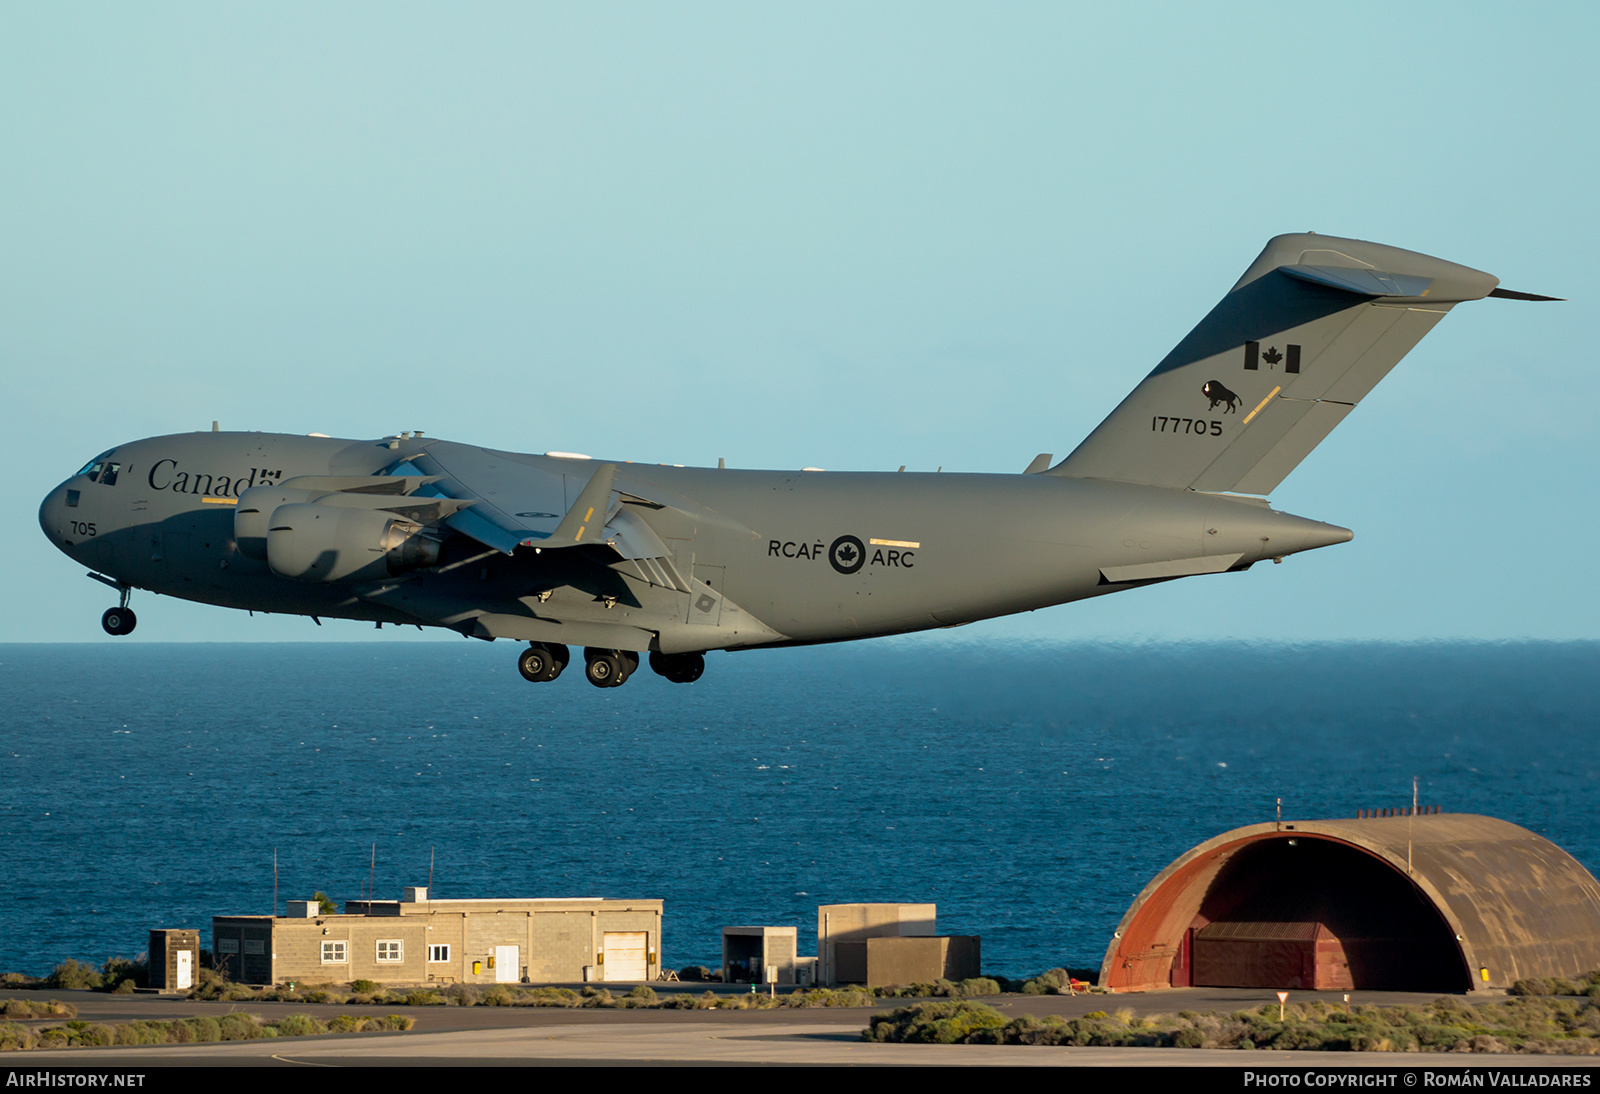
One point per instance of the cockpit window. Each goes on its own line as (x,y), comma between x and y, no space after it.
(101,470)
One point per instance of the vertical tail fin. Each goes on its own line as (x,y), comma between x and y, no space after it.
(1311,327)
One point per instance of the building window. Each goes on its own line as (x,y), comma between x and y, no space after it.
(438,953)
(390,950)
(334,953)
(227,945)
(255,946)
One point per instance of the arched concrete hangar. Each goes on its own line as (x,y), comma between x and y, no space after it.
(1432,902)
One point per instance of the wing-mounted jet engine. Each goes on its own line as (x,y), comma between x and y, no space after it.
(342,529)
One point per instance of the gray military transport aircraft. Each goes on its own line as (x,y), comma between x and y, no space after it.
(621,558)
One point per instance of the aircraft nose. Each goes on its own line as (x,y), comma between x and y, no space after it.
(52,513)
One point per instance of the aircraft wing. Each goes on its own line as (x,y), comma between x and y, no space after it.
(524,501)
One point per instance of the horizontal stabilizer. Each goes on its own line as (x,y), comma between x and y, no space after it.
(1364,282)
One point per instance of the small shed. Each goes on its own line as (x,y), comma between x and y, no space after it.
(748,952)
(174,957)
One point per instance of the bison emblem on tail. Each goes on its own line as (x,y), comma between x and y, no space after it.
(1214,391)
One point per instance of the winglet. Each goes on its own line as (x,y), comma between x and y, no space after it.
(587,517)
(1513,294)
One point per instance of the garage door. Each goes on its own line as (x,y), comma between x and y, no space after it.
(625,955)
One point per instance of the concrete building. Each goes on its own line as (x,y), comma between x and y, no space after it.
(882,944)
(1421,901)
(419,941)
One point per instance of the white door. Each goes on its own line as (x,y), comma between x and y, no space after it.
(625,955)
(185,969)
(506,965)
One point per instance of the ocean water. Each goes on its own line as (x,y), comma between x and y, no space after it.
(1030,791)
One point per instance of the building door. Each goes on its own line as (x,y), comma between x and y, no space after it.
(625,955)
(185,970)
(507,966)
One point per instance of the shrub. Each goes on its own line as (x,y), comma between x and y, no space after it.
(1548,985)
(72,975)
(548,997)
(462,995)
(935,1023)
(365,987)
(204,1029)
(299,1025)
(238,1027)
(118,971)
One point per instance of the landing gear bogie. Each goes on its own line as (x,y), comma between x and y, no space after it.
(603,668)
(541,663)
(680,668)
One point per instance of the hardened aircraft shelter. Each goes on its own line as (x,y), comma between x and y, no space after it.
(1418,901)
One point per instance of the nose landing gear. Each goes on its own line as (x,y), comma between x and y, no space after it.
(120,620)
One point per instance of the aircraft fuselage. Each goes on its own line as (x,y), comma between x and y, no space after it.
(768,557)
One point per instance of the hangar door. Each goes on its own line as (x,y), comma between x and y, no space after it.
(1310,913)
(625,955)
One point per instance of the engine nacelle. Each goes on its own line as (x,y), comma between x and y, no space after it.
(255,509)
(330,543)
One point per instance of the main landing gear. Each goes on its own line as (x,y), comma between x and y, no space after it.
(609,668)
(680,668)
(542,662)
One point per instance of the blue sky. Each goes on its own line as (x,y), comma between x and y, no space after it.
(838,235)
